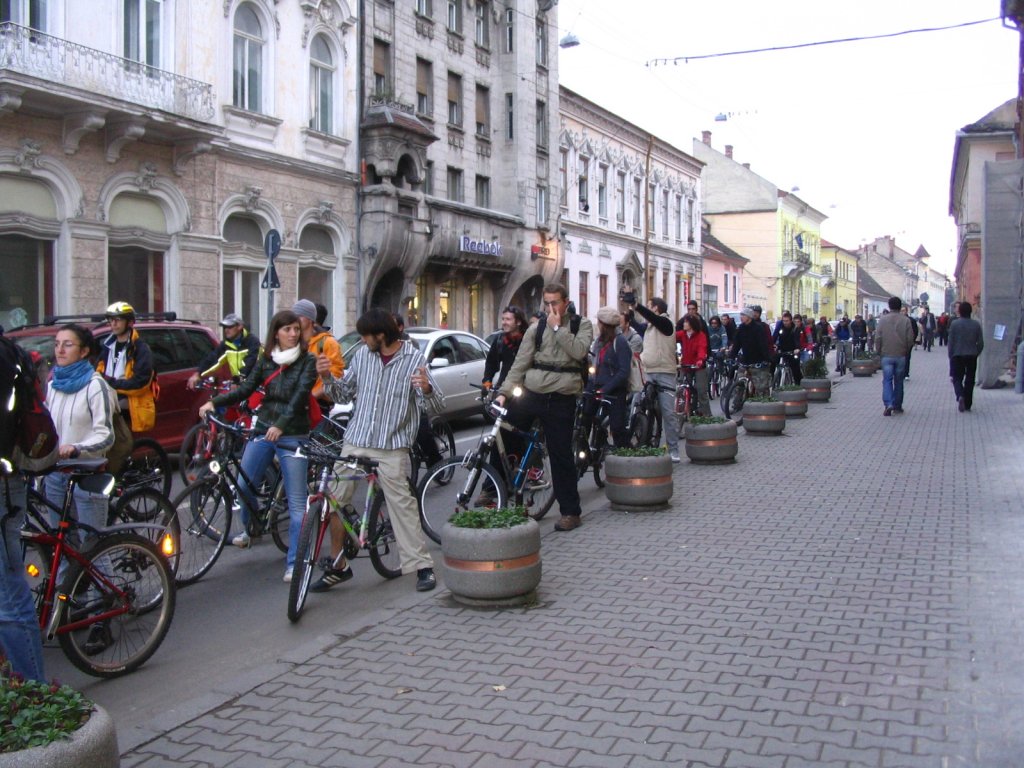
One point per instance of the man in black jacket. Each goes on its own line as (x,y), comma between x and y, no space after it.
(752,348)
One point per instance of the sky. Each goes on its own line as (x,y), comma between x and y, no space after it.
(863,130)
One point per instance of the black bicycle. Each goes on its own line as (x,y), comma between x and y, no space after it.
(590,435)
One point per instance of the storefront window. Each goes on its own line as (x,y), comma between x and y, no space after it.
(475,311)
(136,275)
(27,289)
(444,305)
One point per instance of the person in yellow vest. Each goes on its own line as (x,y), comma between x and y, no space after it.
(238,351)
(319,341)
(126,363)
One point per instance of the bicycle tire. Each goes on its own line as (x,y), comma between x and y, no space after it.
(203,511)
(459,488)
(197,449)
(580,451)
(147,466)
(279,518)
(539,494)
(147,505)
(383,546)
(307,551)
(733,398)
(132,564)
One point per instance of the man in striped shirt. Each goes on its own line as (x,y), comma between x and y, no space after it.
(389,383)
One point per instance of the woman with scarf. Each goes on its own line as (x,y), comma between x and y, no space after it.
(612,359)
(286,371)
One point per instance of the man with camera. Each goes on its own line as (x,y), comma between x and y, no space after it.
(660,361)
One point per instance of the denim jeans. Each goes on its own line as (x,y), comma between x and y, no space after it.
(893,371)
(667,405)
(90,508)
(20,640)
(258,454)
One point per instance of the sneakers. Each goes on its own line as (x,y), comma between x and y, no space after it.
(568,523)
(425,580)
(897,410)
(674,455)
(242,540)
(887,411)
(331,577)
(99,639)
(961,405)
(288,573)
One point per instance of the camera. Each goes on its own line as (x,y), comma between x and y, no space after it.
(627,297)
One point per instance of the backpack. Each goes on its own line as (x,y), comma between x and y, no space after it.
(574,328)
(637,374)
(27,433)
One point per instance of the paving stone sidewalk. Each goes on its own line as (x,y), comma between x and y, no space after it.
(847,594)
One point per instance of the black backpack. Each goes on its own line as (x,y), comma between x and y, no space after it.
(26,429)
(574,328)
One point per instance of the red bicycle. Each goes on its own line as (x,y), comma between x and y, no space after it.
(204,440)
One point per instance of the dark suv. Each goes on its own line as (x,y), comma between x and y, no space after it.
(177,345)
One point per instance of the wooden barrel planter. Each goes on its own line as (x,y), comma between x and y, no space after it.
(711,443)
(491,567)
(862,367)
(764,418)
(638,483)
(818,390)
(795,401)
(94,745)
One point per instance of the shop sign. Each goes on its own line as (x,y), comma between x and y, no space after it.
(469,245)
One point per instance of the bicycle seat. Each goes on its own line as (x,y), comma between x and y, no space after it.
(80,467)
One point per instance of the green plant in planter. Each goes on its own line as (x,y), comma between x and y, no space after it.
(34,714)
(699,421)
(502,517)
(763,399)
(864,354)
(816,368)
(644,450)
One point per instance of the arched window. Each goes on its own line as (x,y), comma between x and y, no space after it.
(247,68)
(321,86)
(316,283)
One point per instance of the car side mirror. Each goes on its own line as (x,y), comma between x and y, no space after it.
(440,362)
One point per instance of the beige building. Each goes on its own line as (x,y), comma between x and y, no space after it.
(148,148)
(629,206)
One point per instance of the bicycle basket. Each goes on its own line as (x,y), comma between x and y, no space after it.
(323,452)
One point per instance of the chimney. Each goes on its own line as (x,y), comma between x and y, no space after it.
(706,137)
(728,151)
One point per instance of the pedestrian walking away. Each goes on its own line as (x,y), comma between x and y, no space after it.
(894,338)
(966,341)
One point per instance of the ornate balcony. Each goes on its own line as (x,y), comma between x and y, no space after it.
(78,73)
(794,263)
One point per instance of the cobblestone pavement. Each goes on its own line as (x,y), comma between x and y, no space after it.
(845,595)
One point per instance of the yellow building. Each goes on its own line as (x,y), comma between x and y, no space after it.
(839,283)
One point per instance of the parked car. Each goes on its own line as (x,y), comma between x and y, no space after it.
(177,346)
(456,360)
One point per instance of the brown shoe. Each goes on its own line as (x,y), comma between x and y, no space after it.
(568,522)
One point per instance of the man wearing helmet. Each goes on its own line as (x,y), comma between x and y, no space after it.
(127,365)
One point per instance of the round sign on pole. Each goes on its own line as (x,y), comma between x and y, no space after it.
(924,297)
(272,244)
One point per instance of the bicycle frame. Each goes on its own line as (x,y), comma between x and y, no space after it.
(231,470)
(493,439)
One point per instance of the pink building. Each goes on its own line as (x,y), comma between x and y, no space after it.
(722,290)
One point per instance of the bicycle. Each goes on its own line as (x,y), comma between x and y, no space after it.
(859,347)
(204,509)
(842,356)
(457,484)
(109,606)
(444,439)
(590,436)
(686,396)
(643,421)
(202,441)
(783,372)
(738,390)
(147,466)
(371,530)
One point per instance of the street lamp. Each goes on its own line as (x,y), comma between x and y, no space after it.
(569,41)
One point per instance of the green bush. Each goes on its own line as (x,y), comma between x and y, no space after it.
(645,450)
(816,368)
(485,517)
(762,399)
(698,421)
(33,714)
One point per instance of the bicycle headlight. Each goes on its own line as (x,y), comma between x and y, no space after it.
(167,544)
(517,392)
(32,570)
(214,467)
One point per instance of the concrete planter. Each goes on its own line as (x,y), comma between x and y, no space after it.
(863,367)
(94,745)
(818,390)
(764,418)
(711,443)
(795,401)
(491,567)
(637,483)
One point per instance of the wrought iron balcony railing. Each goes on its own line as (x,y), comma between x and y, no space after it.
(37,54)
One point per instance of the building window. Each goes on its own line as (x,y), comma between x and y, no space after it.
(483,192)
(247,67)
(563,178)
(27,13)
(28,264)
(510,116)
(454,99)
(602,290)
(620,197)
(482,27)
(428,178)
(241,294)
(664,283)
(710,297)
(136,275)
(636,203)
(602,195)
(424,87)
(584,281)
(141,29)
(583,185)
(455,184)
(542,125)
(321,86)
(483,112)
(735,293)
(650,208)
(381,68)
(664,213)
(454,18)
(542,43)
(679,218)
(725,290)
(510,30)
(425,8)
(689,221)
(542,205)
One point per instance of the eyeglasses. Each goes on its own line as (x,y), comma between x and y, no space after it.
(554,303)
(512,310)
(65,344)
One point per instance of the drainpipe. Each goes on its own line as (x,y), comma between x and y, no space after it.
(360,167)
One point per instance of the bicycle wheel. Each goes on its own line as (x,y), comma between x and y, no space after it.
(127,578)
(197,449)
(581,451)
(452,487)
(733,398)
(597,456)
(204,519)
(381,542)
(445,439)
(539,491)
(145,505)
(307,552)
(147,466)
(278,517)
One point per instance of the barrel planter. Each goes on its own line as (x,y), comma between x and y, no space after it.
(818,390)
(795,401)
(491,567)
(94,745)
(638,483)
(768,418)
(711,443)
(862,367)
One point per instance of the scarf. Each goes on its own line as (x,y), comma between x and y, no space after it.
(71,378)
(285,356)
